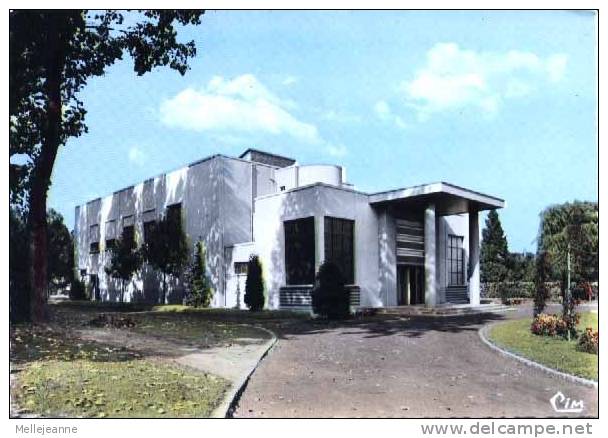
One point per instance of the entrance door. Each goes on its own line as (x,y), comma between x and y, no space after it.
(410,285)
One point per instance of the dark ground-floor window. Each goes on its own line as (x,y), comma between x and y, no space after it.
(300,251)
(339,234)
(455,261)
(128,234)
(149,230)
(110,244)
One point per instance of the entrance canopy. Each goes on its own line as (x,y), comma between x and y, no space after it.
(448,198)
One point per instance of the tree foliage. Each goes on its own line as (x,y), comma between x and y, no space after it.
(521,266)
(330,298)
(166,249)
(125,260)
(52,55)
(569,236)
(540,283)
(254,285)
(199,290)
(494,254)
(18,268)
(571,225)
(60,251)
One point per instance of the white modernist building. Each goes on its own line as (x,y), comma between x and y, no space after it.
(416,245)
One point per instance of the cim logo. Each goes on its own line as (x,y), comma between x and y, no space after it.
(561,403)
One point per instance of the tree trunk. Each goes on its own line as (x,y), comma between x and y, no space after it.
(164,295)
(42,171)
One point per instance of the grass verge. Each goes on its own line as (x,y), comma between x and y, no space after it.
(65,377)
(557,353)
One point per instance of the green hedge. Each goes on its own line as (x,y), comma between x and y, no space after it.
(517,289)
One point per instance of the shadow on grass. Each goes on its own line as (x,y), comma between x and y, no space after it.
(286,323)
(29,343)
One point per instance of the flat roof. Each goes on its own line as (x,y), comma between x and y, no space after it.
(442,192)
(449,198)
(270,154)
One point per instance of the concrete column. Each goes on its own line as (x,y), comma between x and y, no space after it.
(387,259)
(319,241)
(474,258)
(430,263)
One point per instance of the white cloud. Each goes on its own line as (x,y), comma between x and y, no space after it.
(242,105)
(455,78)
(384,112)
(137,155)
(336,150)
(290,80)
(340,117)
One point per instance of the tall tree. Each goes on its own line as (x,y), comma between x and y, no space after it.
(569,235)
(571,229)
(60,251)
(254,285)
(494,255)
(541,291)
(521,266)
(166,249)
(52,54)
(125,260)
(199,293)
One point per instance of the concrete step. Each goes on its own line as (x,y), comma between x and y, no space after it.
(445,310)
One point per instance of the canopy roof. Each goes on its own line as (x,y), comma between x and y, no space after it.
(448,198)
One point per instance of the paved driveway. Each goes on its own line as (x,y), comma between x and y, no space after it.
(392,367)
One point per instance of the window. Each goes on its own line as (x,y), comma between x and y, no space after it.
(128,234)
(94,239)
(110,244)
(455,261)
(83,273)
(339,245)
(148,229)
(174,213)
(300,251)
(240,268)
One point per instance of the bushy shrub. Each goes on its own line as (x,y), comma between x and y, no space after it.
(330,298)
(589,341)
(254,285)
(78,290)
(554,325)
(548,325)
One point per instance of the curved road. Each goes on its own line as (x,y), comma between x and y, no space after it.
(397,367)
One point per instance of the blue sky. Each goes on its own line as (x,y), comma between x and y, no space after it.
(499,102)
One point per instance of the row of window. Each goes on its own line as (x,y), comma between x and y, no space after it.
(300,248)
(173,213)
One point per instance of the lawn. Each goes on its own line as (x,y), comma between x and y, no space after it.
(78,364)
(555,353)
(67,377)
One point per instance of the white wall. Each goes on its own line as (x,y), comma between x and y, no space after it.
(216,196)
(235,283)
(317,201)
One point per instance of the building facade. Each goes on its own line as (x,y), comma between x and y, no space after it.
(410,246)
